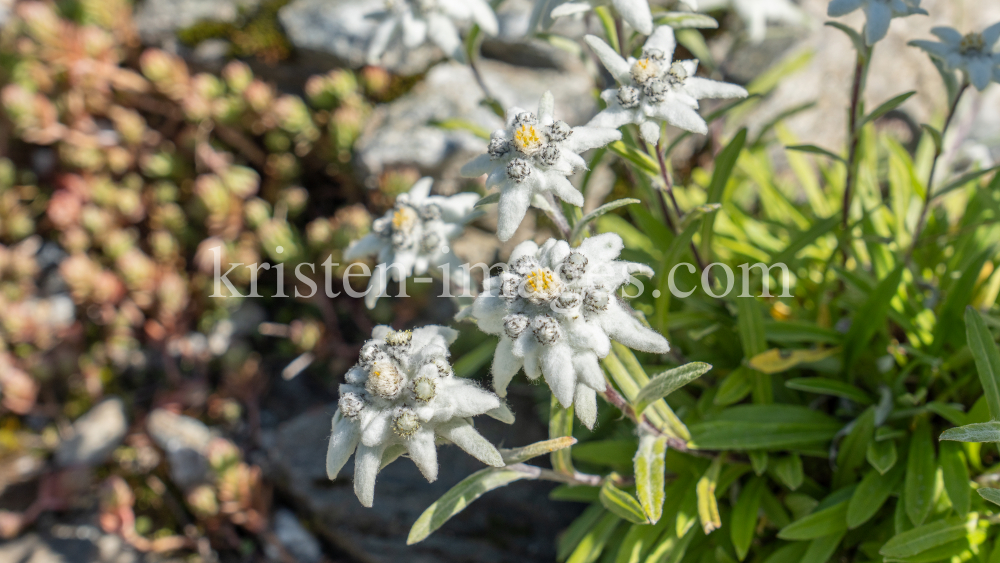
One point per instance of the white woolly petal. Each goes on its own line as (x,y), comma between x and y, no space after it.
(456,209)
(380,40)
(839,8)
(704,88)
(526,248)
(933,48)
(527,348)
(680,116)
(877,26)
(570,9)
(664,40)
(468,400)
(613,117)
(556,253)
(557,367)
(502,413)
(980,72)
(489,311)
(949,35)
(366,465)
(513,206)
(380,332)
(377,431)
(512,113)
(623,327)
(616,65)
(546,107)
(376,286)
(587,137)
(478,166)
(442,32)
(505,365)
(636,13)
(603,247)
(420,190)
(585,402)
(585,335)
(463,435)
(365,246)
(343,442)
(483,15)
(991,34)
(650,131)
(589,372)
(423,452)
(434,336)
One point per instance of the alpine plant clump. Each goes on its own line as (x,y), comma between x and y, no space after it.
(412,238)
(556,310)
(402,398)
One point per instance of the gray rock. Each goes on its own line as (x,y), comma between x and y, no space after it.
(185,440)
(296,539)
(159,20)
(94,435)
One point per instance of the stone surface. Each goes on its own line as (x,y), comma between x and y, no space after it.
(94,435)
(185,441)
(158,20)
(73,539)
(515,524)
(295,538)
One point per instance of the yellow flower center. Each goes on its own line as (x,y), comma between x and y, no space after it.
(541,281)
(973,42)
(404,218)
(644,70)
(527,140)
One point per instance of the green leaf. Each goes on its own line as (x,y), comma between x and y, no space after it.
(788,470)
(853,448)
(987,357)
(859,43)
(885,108)
(870,494)
(825,386)
(456,124)
(870,317)
(763,427)
(791,332)
(518,455)
(488,200)
(641,160)
(743,521)
(734,387)
(592,544)
(579,529)
(610,29)
(821,549)
(758,461)
(609,453)
(622,504)
(918,488)
(935,136)
(992,495)
(924,538)
(560,426)
(708,507)
(474,359)
(667,382)
(750,323)
(458,497)
(806,238)
(693,41)
(830,520)
(650,475)
(685,20)
(881,455)
(582,223)
(813,149)
(963,180)
(955,473)
(575,493)
(958,296)
(724,165)
(979,432)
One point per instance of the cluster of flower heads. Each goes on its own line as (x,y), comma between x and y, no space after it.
(413,236)
(403,397)
(414,22)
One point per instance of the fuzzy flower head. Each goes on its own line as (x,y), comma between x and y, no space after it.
(973,53)
(414,22)
(402,397)
(635,12)
(532,157)
(878,13)
(413,236)
(655,88)
(555,310)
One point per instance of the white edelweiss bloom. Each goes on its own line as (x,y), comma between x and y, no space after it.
(402,397)
(878,13)
(532,157)
(414,22)
(412,237)
(635,12)
(757,13)
(654,89)
(555,310)
(973,53)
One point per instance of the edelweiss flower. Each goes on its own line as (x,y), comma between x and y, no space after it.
(635,12)
(972,53)
(416,21)
(757,13)
(533,157)
(555,310)
(878,12)
(413,237)
(654,89)
(400,398)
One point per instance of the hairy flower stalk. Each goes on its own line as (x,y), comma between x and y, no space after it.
(415,22)
(532,157)
(402,397)
(879,14)
(412,238)
(655,89)
(555,310)
(972,53)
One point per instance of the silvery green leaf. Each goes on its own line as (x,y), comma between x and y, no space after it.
(650,474)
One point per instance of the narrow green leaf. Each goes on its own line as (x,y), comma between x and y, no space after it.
(825,386)
(641,160)
(774,510)
(592,544)
(813,149)
(560,426)
(667,382)
(575,493)
(853,449)
(992,495)
(859,43)
(885,108)
(987,357)
(474,359)
(881,455)
(957,297)
(708,507)
(955,472)
(724,165)
(608,23)
(750,323)
(870,317)
(870,494)
(578,530)
(763,427)
(488,200)
(805,239)
(458,497)
(924,538)
(685,20)
(650,475)
(935,136)
(962,181)
(621,504)
(979,432)
(518,455)
(821,549)
(758,461)
(788,470)
(734,387)
(830,520)
(743,521)
(921,468)
(607,207)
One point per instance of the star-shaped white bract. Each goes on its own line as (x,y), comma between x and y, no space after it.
(414,22)
(532,157)
(878,13)
(635,12)
(413,236)
(757,13)
(555,310)
(403,397)
(973,53)
(654,89)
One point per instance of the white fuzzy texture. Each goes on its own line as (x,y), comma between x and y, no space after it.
(569,360)
(879,14)
(399,246)
(681,89)
(412,23)
(372,435)
(756,14)
(542,177)
(635,12)
(973,54)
